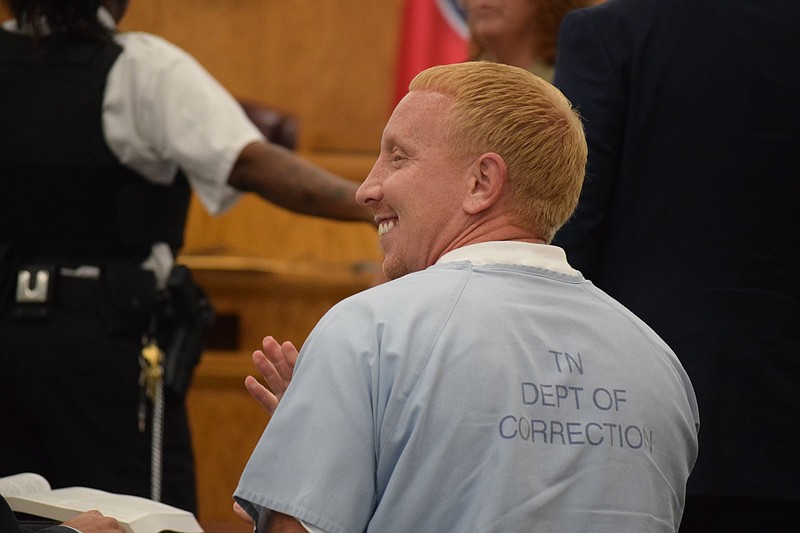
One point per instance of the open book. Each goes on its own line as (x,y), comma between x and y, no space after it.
(31,494)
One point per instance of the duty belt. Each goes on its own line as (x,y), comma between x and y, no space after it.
(35,286)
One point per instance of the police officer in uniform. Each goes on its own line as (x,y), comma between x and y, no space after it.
(103,136)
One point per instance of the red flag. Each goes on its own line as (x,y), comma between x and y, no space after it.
(433,32)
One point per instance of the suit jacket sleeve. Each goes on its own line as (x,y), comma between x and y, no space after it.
(594,85)
(9,524)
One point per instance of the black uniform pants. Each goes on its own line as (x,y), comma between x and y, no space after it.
(69,396)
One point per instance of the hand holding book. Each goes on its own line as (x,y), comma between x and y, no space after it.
(31,494)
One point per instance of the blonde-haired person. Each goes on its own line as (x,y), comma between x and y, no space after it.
(522,33)
(488,386)
(531,126)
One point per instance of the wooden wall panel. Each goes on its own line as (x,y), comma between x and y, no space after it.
(328,61)
(226,426)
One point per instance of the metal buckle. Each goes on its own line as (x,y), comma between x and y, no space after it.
(34,297)
(34,285)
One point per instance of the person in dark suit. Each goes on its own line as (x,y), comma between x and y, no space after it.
(689,217)
(88,522)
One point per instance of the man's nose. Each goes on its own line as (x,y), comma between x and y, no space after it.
(370,191)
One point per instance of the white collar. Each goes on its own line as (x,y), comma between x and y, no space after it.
(106,19)
(512,252)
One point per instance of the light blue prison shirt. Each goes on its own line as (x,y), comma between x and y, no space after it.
(496,391)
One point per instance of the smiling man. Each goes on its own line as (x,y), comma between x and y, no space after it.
(488,386)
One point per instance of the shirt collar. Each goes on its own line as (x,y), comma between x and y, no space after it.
(543,256)
(106,19)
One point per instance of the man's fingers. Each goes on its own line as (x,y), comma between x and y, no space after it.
(282,357)
(266,399)
(289,353)
(275,381)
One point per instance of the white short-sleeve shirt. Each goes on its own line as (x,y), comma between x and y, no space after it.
(163,111)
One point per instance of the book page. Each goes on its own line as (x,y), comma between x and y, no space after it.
(27,483)
(123,507)
(137,514)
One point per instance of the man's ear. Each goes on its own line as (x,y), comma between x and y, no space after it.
(486,184)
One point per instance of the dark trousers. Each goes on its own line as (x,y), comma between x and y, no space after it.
(69,395)
(711,514)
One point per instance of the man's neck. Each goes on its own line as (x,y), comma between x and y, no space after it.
(499,229)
